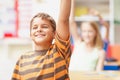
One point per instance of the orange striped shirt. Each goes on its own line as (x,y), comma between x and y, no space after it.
(51,64)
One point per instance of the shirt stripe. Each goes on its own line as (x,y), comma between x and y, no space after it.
(51,64)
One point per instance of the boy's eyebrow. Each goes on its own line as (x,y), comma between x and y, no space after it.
(42,24)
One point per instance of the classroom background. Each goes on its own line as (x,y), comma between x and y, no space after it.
(15,17)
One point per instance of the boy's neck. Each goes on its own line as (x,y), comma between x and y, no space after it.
(42,47)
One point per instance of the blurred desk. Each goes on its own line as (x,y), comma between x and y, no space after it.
(103,75)
(112,65)
(116,63)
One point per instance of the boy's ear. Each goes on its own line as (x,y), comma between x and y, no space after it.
(54,33)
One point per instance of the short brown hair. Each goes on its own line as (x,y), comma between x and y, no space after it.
(46,17)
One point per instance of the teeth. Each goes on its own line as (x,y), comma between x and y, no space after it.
(40,35)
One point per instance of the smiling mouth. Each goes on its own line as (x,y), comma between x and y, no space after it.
(40,35)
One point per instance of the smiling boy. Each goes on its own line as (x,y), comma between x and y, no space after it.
(49,61)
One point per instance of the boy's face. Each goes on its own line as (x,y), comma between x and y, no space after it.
(41,31)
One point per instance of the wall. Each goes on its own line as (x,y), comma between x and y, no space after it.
(117,21)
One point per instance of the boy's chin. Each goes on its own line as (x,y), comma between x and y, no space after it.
(39,41)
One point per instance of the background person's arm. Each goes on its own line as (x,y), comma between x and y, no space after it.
(102,21)
(100,64)
(73,24)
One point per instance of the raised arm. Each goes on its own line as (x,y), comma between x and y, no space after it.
(63,19)
(106,25)
(102,21)
(73,24)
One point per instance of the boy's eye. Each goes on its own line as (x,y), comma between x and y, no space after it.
(34,27)
(45,26)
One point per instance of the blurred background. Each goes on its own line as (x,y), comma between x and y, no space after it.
(15,16)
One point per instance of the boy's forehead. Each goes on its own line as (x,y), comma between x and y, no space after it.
(40,20)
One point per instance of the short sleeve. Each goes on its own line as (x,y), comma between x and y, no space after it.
(64,47)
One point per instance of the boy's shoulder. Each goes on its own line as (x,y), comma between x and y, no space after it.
(27,54)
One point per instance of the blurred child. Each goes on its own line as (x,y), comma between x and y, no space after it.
(48,61)
(105,25)
(88,53)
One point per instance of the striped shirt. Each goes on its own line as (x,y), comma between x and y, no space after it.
(51,64)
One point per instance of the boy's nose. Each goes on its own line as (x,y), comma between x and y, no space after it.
(39,29)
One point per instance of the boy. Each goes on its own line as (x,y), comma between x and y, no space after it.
(48,61)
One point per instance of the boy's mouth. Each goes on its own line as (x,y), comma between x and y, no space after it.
(40,35)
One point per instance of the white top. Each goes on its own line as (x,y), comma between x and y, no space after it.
(81,60)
